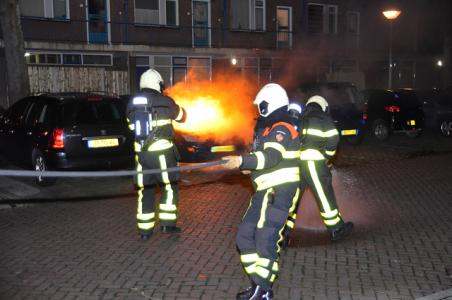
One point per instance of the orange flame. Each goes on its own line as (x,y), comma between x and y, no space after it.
(221,110)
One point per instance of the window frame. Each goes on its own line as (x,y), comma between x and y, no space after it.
(252,24)
(162,14)
(326,17)
(49,11)
(358,22)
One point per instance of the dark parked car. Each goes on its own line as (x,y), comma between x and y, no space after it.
(393,111)
(437,107)
(67,131)
(346,107)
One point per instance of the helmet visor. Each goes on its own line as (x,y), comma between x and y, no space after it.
(263,108)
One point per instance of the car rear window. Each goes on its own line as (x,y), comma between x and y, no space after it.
(407,99)
(96,112)
(336,95)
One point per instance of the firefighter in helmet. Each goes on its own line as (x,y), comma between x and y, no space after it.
(150,115)
(319,139)
(273,165)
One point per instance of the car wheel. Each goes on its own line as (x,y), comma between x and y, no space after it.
(380,130)
(446,127)
(40,164)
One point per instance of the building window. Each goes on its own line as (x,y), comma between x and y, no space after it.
(97,59)
(322,19)
(283,27)
(248,15)
(156,12)
(353,22)
(72,59)
(54,9)
(171,12)
(200,67)
(43,58)
(90,59)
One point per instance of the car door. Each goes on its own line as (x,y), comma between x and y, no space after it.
(11,125)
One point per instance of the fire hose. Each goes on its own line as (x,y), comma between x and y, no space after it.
(118,173)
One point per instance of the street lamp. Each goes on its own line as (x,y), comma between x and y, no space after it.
(391,15)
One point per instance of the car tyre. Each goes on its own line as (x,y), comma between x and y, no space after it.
(40,164)
(446,127)
(380,130)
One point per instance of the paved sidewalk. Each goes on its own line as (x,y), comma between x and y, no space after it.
(83,248)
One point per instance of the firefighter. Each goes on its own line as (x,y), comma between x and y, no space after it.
(319,140)
(273,165)
(150,115)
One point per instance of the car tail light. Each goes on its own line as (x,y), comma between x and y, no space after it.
(57,141)
(392,108)
(365,116)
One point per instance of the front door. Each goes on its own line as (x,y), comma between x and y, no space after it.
(98,21)
(284,27)
(201,20)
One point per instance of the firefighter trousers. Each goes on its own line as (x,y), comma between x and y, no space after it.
(147,187)
(260,232)
(317,175)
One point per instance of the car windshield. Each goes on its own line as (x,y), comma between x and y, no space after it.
(86,113)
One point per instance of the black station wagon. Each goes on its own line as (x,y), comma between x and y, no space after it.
(67,131)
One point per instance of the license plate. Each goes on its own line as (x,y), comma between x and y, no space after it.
(227,148)
(348,132)
(412,122)
(103,143)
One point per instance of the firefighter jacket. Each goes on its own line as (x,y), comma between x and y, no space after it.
(319,136)
(163,110)
(274,158)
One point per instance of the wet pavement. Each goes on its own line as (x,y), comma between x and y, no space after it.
(77,239)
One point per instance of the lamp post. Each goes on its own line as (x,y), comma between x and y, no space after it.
(391,15)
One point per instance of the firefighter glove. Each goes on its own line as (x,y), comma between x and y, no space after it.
(233,162)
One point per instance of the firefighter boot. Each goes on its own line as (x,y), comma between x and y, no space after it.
(246,294)
(261,294)
(341,232)
(170,229)
(145,236)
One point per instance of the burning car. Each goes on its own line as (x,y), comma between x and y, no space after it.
(220,117)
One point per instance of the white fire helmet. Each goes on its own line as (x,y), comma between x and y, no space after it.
(318,100)
(271,97)
(151,79)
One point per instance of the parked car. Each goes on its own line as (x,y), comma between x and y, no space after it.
(67,131)
(437,107)
(346,107)
(393,111)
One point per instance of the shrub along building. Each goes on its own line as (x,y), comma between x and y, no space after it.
(105,45)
